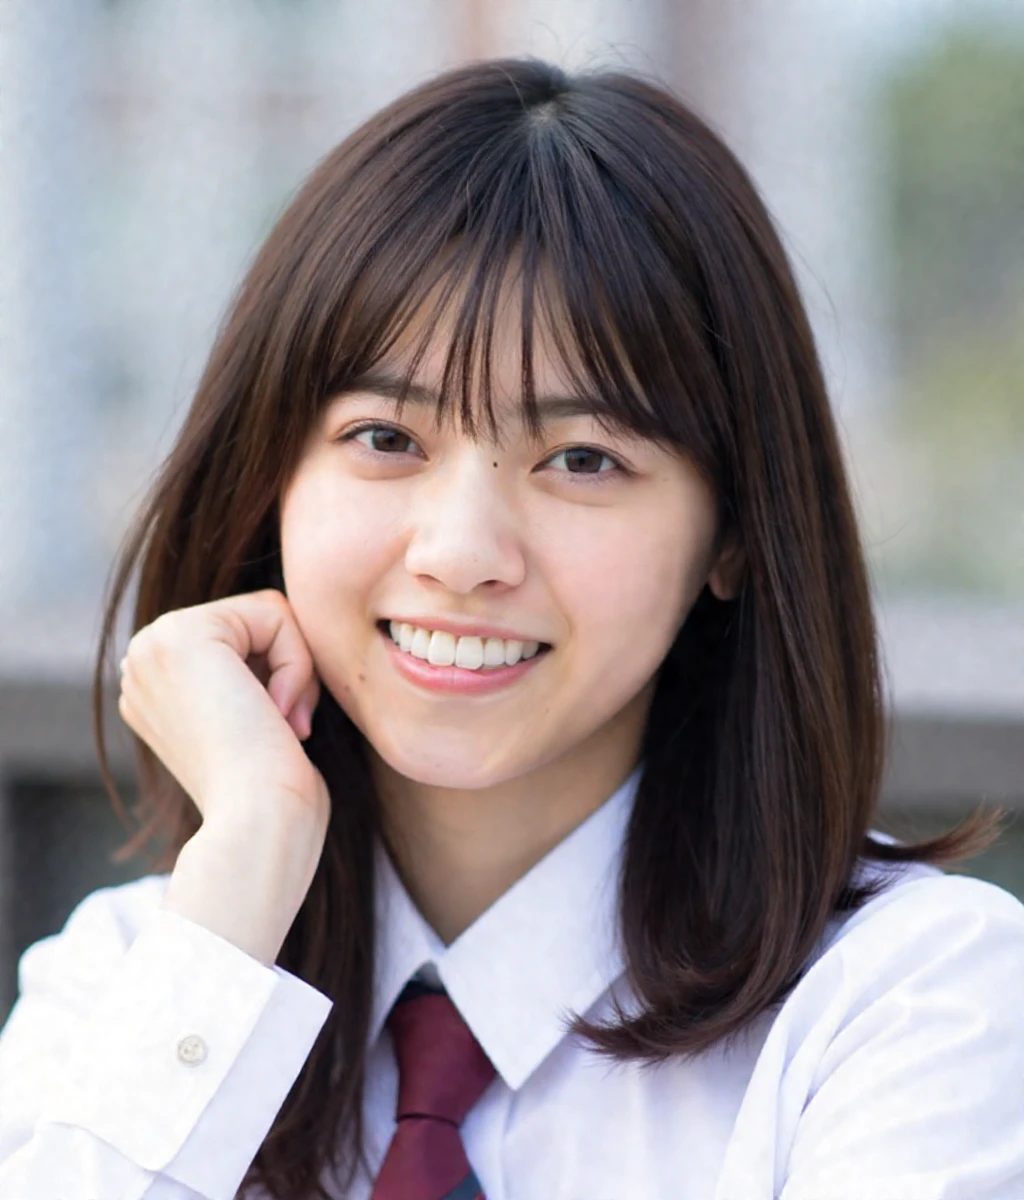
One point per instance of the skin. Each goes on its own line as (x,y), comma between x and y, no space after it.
(605,567)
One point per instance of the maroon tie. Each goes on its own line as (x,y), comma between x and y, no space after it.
(442,1072)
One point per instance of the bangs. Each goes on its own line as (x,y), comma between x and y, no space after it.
(440,227)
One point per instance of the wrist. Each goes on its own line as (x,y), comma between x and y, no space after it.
(246,889)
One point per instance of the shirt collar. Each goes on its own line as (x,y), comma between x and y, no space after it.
(548,946)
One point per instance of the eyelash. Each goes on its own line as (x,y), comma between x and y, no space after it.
(589,476)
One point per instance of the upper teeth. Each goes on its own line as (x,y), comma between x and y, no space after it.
(442,649)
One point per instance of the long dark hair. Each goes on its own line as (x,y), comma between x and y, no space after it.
(628,218)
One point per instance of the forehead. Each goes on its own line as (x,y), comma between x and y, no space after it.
(484,348)
(551,407)
(425,341)
(432,363)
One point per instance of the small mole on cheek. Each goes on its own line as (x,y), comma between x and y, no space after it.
(362,678)
(494,464)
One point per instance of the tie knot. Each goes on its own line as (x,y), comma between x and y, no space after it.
(442,1068)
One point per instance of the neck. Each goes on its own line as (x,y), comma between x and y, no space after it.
(458,850)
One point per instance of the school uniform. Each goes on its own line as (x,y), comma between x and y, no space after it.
(146,1057)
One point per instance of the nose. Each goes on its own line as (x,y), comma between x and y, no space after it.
(463,528)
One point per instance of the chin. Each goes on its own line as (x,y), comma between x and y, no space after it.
(463,764)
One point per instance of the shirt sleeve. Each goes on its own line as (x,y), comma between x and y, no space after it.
(145,1070)
(919,1091)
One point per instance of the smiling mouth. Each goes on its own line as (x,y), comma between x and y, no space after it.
(542,648)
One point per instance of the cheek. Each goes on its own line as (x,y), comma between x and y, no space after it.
(332,564)
(627,595)
(331,557)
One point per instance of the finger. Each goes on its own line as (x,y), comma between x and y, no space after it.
(301,722)
(308,702)
(310,697)
(262,623)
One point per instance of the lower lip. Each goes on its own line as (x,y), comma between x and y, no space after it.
(456,680)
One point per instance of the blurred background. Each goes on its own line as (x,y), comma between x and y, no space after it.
(146,147)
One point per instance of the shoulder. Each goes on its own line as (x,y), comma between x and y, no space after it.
(898,1059)
(925,912)
(96,934)
(930,946)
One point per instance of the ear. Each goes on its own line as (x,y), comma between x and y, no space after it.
(726,577)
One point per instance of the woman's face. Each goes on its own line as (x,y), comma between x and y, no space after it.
(594,545)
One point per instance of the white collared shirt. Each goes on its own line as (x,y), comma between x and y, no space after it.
(146,1057)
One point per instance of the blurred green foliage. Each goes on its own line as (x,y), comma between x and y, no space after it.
(953,117)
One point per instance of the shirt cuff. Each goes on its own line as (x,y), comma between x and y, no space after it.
(188,1055)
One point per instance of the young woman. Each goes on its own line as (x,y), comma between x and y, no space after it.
(510,720)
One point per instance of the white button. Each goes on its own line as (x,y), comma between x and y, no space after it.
(191,1050)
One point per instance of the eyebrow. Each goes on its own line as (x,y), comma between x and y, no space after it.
(382,383)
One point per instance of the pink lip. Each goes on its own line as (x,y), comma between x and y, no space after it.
(455,680)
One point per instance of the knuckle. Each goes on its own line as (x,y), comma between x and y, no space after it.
(141,645)
(227,622)
(148,647)
(160,626)
(159,635)
(278,598)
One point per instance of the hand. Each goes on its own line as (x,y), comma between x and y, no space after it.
(190,690)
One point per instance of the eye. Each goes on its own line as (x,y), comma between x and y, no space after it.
(583,463)
(384,439)
(586,461)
